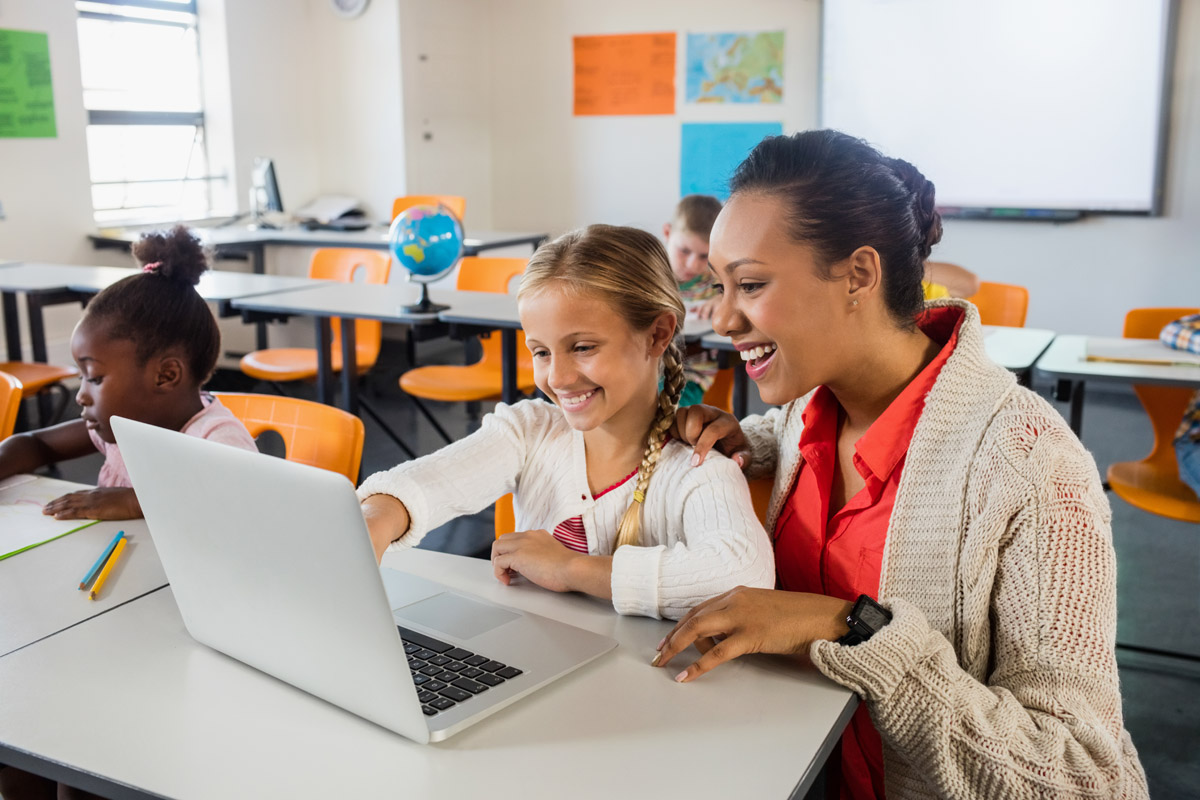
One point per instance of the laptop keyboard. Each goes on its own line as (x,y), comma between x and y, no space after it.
(446,675)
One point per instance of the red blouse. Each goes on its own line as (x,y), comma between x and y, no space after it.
(840,554)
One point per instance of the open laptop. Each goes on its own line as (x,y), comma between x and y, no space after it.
(270,563)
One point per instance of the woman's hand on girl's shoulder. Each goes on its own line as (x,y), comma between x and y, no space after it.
(746,620)
(706,427)
(108,502)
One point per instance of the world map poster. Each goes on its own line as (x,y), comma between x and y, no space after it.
(735,67)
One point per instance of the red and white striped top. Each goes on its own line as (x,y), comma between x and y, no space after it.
(571,533)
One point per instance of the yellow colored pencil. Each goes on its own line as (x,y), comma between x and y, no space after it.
(108,568)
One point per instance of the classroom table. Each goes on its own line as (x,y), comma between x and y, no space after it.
(1016,349)
(1066,362)
(251,242)
(149,712)
(39,588)
(50,284)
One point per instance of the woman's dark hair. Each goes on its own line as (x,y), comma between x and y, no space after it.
(841,194)
(159,309)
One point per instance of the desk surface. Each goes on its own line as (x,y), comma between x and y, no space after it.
(1011,348)
(1066,359)
(503,314)
(185,721)
(39,589)
(382,302)
(375,237)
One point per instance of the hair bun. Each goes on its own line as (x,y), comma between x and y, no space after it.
(179,255)
(925,213)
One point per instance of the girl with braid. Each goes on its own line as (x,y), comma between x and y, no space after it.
(606,502)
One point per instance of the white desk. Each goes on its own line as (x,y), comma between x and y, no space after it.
(1016,349)
(1066,361)
(128,705)
(39,588)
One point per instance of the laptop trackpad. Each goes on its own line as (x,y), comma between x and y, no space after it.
(455,615)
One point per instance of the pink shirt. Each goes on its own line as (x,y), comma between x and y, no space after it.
(214,422)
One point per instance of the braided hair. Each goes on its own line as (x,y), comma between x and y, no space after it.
(628,268)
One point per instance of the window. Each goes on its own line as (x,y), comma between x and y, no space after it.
(140,63)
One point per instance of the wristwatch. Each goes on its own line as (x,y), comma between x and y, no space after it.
(866,619)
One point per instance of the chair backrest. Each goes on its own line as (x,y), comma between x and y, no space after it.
(720,394)
(340,264)
(453,202)
(1001,304)
(494,275)
(313,433)
(1164,404)
(10,403)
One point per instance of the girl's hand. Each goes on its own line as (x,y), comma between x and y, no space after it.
(537,556)
(753,621)
(705,427)
(109,502)
(387,520)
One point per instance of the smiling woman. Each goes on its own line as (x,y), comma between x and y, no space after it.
(941,538)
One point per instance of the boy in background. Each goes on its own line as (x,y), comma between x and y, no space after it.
(686,236)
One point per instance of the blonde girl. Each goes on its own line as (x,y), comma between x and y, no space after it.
(605,502)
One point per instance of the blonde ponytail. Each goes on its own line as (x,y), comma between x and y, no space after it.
(628,268)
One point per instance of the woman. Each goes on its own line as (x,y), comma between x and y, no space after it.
(911,468)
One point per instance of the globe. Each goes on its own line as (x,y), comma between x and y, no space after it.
(427,241)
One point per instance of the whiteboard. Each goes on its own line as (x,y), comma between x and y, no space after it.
(1005,106)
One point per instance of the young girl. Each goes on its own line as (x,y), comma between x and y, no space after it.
(144,348)
(605,504)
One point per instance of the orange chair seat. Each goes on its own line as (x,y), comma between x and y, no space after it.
(34,376)
(1142,484)
(291,364)
(454,384)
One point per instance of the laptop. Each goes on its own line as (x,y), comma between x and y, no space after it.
(270,563)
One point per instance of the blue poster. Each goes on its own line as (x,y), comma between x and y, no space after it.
(710,151)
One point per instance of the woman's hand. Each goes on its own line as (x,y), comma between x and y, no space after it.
(705,427)
(387,521)
(109,502)
(539,557)
(745,621)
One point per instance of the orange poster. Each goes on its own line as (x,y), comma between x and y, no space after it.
(625,74)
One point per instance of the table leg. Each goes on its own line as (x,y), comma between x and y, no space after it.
(12,327)
(349,367)
(508,365)
(324,365)
(740,389)
(1077,408)
(37,328)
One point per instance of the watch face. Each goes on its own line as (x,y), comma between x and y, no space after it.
(872,616)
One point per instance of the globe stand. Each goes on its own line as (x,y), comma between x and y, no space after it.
(425,305)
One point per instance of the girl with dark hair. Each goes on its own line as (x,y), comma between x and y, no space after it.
(144,347)
(942,541)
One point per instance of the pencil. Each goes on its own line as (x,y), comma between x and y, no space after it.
(108,567)
(1148,361)
(91,573)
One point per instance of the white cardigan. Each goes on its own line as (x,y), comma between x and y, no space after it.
(699,536)
(997,677)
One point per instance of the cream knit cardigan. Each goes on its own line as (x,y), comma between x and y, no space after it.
(997,676)
(700,536)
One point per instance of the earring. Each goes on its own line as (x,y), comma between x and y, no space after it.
(854,302)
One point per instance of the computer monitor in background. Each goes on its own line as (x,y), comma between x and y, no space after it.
(264,189)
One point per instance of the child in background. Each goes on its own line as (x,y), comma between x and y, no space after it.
(686,236)
(631,519)
(1184,334)
(144,347)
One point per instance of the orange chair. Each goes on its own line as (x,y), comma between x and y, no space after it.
(720,394)
(40,380)
(505,519)
(10,403)
(1153,484)
(481,380)
(300,363)
(1001,304)
(313,433)
(453,202)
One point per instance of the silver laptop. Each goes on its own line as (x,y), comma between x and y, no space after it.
(270,563)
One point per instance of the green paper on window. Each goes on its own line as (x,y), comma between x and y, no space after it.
(26,95)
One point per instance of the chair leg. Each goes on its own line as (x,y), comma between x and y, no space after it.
(432,420)
(395,437)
